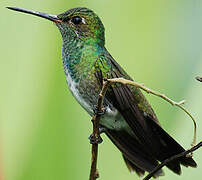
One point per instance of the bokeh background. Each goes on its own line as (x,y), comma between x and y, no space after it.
(43,132)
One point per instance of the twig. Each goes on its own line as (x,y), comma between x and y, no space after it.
(96,134)
(141,86)
(165,162)
(199,78)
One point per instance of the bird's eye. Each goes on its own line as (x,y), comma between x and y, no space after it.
(77,20)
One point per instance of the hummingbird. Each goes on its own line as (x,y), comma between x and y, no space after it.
(128,119)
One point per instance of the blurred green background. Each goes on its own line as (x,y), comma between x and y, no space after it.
(43,129)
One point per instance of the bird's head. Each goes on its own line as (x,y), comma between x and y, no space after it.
(83,23)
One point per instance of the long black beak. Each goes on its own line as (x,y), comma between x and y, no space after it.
(50,17)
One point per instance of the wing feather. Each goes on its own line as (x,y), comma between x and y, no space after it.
(137,112)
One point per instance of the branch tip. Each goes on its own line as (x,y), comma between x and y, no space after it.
(199,78)
(165,162)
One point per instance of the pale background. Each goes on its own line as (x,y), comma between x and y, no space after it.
(43,129)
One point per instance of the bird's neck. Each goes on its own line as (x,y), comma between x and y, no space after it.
(79,56)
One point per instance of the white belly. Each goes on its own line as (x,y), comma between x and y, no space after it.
(74,90)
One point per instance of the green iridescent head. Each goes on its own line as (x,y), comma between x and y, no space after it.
(80,23)
(84,23)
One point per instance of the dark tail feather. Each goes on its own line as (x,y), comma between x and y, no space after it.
(132,167)
(137,158)
(168,147)
(188,161)
(140,172)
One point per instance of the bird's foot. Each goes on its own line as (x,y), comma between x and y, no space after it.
(95,139)
(98,112)
(98,139)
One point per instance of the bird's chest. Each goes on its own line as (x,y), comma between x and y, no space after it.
(74,87)
(87,98)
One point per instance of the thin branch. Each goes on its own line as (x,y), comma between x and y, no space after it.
(141,86)
(164,163)
(199,78)
(96,134)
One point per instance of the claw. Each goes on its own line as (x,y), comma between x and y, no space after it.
(97,112)
(95,140)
